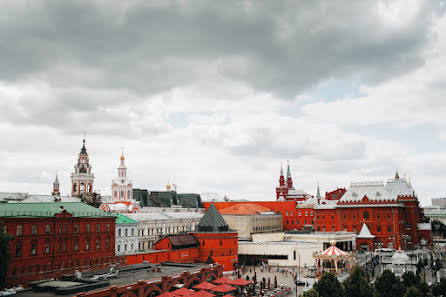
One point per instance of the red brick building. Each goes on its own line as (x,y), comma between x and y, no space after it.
(51,239)
(286,192)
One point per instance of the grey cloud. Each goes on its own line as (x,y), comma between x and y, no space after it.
(285,46)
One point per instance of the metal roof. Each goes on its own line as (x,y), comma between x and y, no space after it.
(49,209)
(122,219)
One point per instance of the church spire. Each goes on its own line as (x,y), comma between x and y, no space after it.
(397,176)
(56,189)
(288,172)
(318,194)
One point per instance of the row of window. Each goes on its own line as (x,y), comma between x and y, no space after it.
(63,229)
(126,232)
(125,247)
(269,218)
(61,246)
(354,229)
(298,222)
(266,228)
(165,230)
(300,213)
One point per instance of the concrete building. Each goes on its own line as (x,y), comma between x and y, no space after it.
(290,250)
(126,235)
(153,225)
(248,219)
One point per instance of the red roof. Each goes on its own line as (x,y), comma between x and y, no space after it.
(244,209)
(227,295)
(167,294)
(222,280)
(204,286)
(202,294)
(240,282)
(183,292)
(224,288)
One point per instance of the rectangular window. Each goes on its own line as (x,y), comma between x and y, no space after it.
(125,247)
(389,229)
(19,230)
(87,245)
(98,228)
(133,232)
(126,232)
(60,229)
(107,243)
(287,213)
(119,248)
(65,228)
(87,228)
(107,227)
(119,233)
(98,244)
(34,229)
(311,213)
(300,213)
(76,245)
(60,246)
(306,213)
(48,229)
(291,213)
(76,228)
(47,247)
(18,250)
(64,246)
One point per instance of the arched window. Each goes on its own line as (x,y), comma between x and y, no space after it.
(129,195)
(366,215)
(74,187)
(122,194)
(115,195)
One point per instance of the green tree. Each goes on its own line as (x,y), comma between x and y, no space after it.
(4,253)
(409,279)
(310,293)
(358,284)
(388,285)
(413,292)
(440,288)
(329,286)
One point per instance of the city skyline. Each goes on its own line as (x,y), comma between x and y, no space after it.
(215,96)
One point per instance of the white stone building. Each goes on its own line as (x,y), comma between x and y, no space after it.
(153,225)
(126,235)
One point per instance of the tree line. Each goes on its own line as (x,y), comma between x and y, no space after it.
(386,285)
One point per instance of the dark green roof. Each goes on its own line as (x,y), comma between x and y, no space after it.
(212,221)
(190,200)
(122,219)
(49,209)
(166,199)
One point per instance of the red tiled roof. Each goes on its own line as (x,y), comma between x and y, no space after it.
(244,209)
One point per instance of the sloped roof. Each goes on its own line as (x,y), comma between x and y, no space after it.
(122,219)
(49,209)
(373,191)
(244,209)
(399,187)
(49,198)
(365,232)
(182,240)
(212,221)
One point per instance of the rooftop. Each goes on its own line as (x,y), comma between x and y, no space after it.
(49,209)
(244,209)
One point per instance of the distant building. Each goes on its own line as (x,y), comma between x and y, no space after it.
(166,198)
(335,194)
(82,180)
(56,187)
(285,191)
(126,235)
(250,218)
(122,193)
(440,202)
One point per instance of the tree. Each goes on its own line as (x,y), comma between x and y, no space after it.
(440,288)
(409,279)
(329,286)
(413,292)
(310,293)
(358,284)
(388,285)
(4,253)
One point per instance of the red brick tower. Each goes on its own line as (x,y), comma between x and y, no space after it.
(218,244)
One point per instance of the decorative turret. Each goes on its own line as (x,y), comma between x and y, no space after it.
(56,189)
(397,176)
(318,194)
(281,178)
(289,180)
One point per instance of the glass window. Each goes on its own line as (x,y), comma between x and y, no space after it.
(98,243)
(76,228)
(122,194)
(60,228)
(98,227)
(365,214)
(47,247)
(34,248)
(107,243)
(119,233)
(126,232)
(107,226)
(18,250)
(87,228)
(76,245)
(48,229)
(300,213)
(65,228)
(19,230)
(389,229)
(34,229)
(306,213)
(87,245)
(291,213)
(133,232)
(287,213)
(119,248)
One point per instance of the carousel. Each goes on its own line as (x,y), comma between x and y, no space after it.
(333,260)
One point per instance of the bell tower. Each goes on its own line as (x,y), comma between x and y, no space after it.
(56,188)
(82,178)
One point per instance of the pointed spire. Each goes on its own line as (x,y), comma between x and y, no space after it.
(122,153)
(56,181)
(83,149)
(288,172)
(397,176)
(318,195)
(212,221)
(281,169)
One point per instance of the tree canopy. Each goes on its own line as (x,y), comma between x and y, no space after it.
(388,285)
(4,253)
(329,286)
(358,284)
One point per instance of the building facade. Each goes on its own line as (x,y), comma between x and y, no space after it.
(51,239)
(126,234)
(122,193)
(153,225)
(285,191)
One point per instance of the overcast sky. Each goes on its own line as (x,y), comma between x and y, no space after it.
(214,95)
